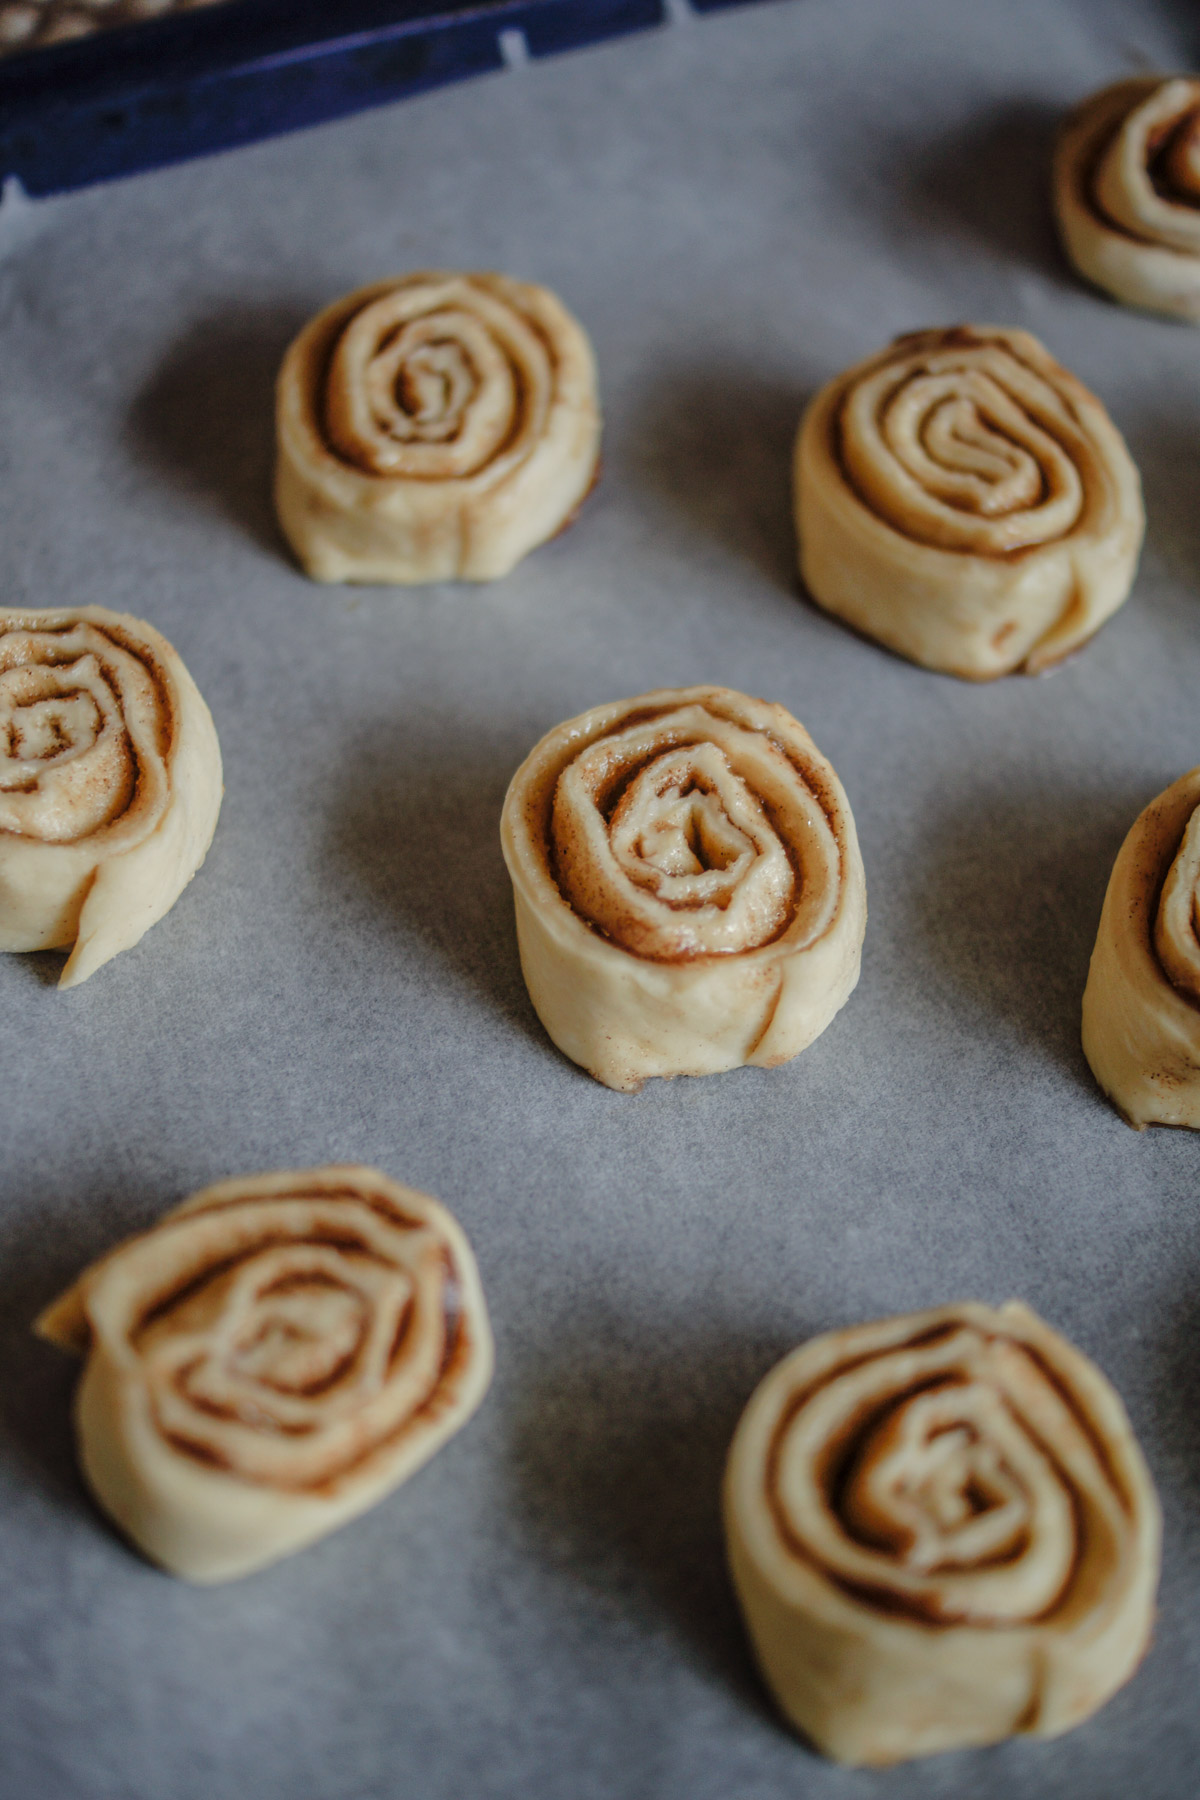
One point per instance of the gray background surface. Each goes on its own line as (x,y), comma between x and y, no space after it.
(735,208)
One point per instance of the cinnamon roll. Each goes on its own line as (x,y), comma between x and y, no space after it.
(269,1360)
(436,427)
(942,1532)
(1127,192)
(689,890)
(110,782)
(964,500)
(1141,1005)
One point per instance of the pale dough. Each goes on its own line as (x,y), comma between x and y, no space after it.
(689,890)
(110,782)
(1141,1006)
(1127,192)
(270,1360)
(966,501)
(436,427)
(942,1533)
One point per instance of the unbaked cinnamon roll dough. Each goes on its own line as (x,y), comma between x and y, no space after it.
(270,1360)
(110,782)
(689,890)
(1127,192)
(1141,1006)
(942,1532)
(966,501)
(435,427)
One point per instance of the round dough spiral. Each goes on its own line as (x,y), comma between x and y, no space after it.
(1127,192)
(433,428)
(110,782)
(966,501)
(271,1359)
(942,1532)
(1141,1005)
(689,890)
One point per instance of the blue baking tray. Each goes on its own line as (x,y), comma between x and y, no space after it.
(140,96)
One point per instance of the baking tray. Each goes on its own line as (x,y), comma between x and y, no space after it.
(142,95)
(735,207)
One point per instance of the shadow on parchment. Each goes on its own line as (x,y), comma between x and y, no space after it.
(40,1256)
(714,445)
(1007,902)
(1166,449)
(617,1451)
(205,421)
(417,833)
(41,968)
(990,181)
(1177,1396)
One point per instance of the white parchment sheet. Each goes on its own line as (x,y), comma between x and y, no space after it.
(736,208)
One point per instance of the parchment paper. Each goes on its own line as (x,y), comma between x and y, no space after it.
(736,208)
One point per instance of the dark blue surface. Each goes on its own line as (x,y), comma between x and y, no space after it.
(143,95)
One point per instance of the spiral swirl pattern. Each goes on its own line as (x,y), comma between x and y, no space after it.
(1141,1006)
(270,1359)
(688,885)
(84,722)
(1177,925)
(1127,192)
(434,427)
(110,782)
(958,1478)
(955,1487)
(436,383)
(958,442)
(965,500)
(686,835)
